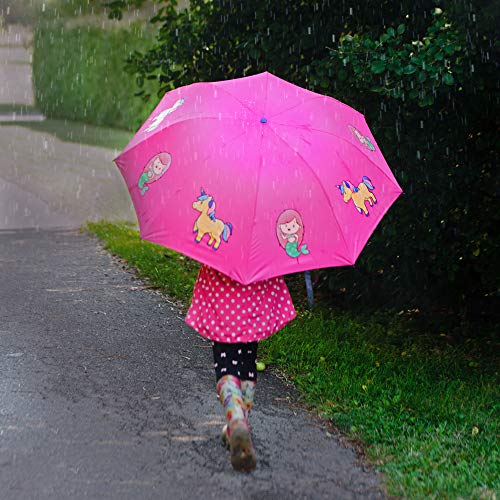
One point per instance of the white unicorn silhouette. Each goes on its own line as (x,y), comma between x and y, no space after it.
(159,118)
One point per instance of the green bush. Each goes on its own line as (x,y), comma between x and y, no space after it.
(78,74)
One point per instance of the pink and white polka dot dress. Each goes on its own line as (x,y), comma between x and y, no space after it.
(227,311)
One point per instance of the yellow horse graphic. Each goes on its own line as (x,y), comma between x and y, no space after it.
(207,223)
(359,195)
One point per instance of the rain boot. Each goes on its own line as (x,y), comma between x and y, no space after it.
(247,392)
(240,443)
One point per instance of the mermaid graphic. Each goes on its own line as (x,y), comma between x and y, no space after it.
(363,139)
(154,169)
(290,231)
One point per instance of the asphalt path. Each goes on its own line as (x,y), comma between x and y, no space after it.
(106,393)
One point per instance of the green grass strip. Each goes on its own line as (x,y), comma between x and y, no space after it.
(81,133)
(426,412)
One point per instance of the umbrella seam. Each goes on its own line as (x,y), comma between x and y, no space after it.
(142,141)
(297,105)
(320,185)
(225,145)
(258,181)
(235,98)
(350,144)
(303,89)
(316,95)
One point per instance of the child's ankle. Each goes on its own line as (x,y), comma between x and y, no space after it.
(237,422)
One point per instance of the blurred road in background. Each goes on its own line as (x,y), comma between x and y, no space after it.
(47,182)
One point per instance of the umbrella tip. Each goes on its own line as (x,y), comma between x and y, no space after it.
(263,120)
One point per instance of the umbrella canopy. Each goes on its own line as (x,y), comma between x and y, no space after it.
(257,177)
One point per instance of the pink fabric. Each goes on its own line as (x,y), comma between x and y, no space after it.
(265,178)
(227,311)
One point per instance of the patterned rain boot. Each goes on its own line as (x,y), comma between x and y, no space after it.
(247,392)
(240,444)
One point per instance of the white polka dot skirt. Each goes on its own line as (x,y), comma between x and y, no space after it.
(227,311)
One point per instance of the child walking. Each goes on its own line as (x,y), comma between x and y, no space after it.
(235,318)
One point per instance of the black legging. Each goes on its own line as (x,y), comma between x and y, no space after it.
(235,359)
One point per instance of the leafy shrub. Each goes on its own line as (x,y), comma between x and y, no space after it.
(78,73)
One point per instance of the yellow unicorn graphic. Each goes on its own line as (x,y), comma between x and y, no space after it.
(359,195)
(207,223)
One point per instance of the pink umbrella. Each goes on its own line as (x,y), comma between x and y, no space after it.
(257,177)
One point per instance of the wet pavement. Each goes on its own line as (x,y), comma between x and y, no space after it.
(106,393)
(21,209)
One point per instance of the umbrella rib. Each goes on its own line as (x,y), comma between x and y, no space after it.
(347,142)
(318,96)
(297,105)
(235,98)
(225,145)
(258,182)
(320,184)
(142,141)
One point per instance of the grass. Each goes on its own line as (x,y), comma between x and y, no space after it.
(66,130)
(18,108)
(70,131)
(426,411)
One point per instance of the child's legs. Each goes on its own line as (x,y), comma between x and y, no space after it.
(248,375)
(235,359)
(238,360)
(228,382)
(231,364)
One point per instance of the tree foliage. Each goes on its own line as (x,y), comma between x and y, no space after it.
(425,78)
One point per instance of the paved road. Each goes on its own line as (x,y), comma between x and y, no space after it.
(104,391)
(54,183)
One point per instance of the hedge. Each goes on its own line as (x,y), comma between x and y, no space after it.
(78,74)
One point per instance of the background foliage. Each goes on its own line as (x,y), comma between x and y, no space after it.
(78,71)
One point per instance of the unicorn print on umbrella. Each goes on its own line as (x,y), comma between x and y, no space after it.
(208,223)
(156,121)
(359,195)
